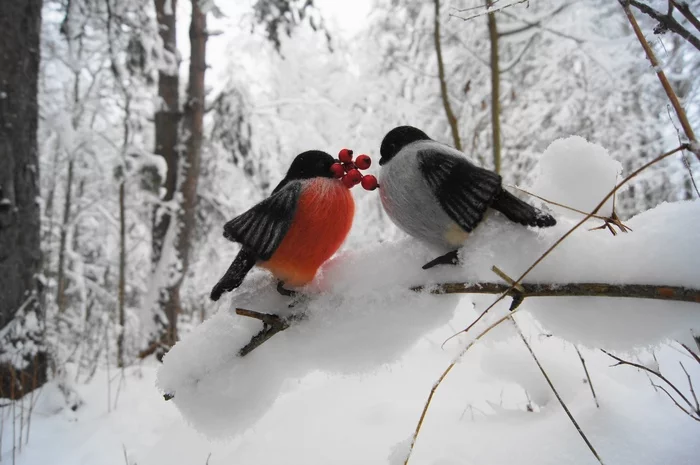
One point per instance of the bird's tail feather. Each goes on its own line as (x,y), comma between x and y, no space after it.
(521,212)
(245,260)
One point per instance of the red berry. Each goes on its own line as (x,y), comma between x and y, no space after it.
(354,176)
(347,182)
(349,166)
(345,155)
(363,162)
(337,170)
(369,182)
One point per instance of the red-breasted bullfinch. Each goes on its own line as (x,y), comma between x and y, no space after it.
(295,230)
(434,193)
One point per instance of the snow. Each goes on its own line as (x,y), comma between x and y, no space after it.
(341,419)
(363,315)
(576,173)
(360,314)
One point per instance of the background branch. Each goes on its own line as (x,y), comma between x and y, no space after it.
(680,112)
(667,22)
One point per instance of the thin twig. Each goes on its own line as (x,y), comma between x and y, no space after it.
(556,393)
(685,11)
(600,217)
(272,324)
(690,385)
(686,162)
(488,10)
(588,376)
(680,113)
(692,354)
(690,414)
(653,372)
(578,225)
(666,22)
(503,295)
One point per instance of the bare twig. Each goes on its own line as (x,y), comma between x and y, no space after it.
(685,11)
(510,289)
(495,67)
(489,9)
(588,377)
(556,203)
(451,118)
(695,412)
(556,393)
(691,387)
(686,162)
(680,112)
(666,22)
(683,409)
(692,354)
(272,324)
(641,291)
(578,225)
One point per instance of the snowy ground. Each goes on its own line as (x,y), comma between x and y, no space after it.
(479,415)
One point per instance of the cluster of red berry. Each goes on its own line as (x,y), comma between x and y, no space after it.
(348,170)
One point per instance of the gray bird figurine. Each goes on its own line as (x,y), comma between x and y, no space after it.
(434,193)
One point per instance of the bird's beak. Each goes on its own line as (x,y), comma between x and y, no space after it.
(382,161)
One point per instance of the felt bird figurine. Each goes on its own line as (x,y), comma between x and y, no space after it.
(296,229)
(434,193)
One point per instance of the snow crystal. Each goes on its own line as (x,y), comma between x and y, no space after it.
(578,174)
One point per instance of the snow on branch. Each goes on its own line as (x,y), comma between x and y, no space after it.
(491,9)
(369,306)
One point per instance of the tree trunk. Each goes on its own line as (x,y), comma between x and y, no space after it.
(122,275)
(451,118)
(61,280)
(194,120)
(495,90)
(25,360)
(192,130)
(167,118)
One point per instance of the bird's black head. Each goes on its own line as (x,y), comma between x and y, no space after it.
(311,164)
(398,138)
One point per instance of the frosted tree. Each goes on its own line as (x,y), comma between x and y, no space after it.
(179,130)
(562,69)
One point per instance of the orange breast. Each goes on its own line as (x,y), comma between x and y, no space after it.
(322,221)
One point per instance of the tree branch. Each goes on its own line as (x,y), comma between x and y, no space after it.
(692,411)
(272,324)
(639,291)
(685,11)
(489,9)
(451,118)
(666,22)
(682,117)
(556,394)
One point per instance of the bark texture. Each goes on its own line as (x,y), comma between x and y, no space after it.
(167,119)
(22,362)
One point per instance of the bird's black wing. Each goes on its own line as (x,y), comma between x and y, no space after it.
(464,190)
(262,228)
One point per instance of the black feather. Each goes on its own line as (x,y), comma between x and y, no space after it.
(521,212)
(245,260)
(464,190)
(262,228)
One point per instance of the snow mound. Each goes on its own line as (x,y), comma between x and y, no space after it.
(360,313)
(361,316)
(576,173)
